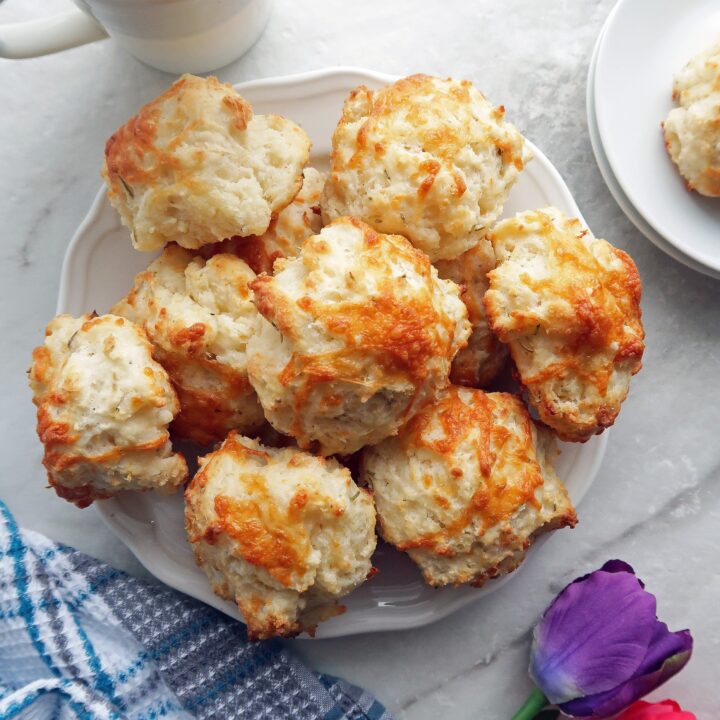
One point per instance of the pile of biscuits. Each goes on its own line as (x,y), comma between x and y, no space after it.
(332,337)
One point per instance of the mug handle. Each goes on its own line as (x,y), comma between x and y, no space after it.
(48,35)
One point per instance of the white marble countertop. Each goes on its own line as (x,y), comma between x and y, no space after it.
(656,502)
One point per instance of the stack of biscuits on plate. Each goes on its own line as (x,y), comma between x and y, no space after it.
(297,324)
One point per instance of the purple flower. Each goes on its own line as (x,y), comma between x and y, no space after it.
(599,646)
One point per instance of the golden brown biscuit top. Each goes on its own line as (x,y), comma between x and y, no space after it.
(568,305)
(427,158)
(266,535)
(100,395)
(583,290)
(496,429)
(195,166)
(439,139)
(135,156)
(269,502)
(377,315)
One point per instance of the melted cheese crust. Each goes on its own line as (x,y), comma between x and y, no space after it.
(104,406)
(195,166)
(568,306)
(358,334)
(426,158)
(466,486)
(199,316)
(282,533)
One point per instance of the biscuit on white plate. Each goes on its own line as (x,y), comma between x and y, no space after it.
(692,137)
(485,356)
(287,232)
(199,316)
(467,486)
(195,166)
(692,131)
(280,532)
(426,158)
(104,406)
(568,305)
(699,78)
(357,334)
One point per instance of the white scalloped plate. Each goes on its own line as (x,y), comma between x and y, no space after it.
(98,269)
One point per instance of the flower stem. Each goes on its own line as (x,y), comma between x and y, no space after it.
(532,706)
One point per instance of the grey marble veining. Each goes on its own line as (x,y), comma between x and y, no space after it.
(656,502)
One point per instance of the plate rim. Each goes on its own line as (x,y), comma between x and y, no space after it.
(79,252)
(699,256)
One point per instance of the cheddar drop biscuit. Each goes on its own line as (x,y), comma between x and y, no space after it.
(104,406)
(357,334)
(196,166)
(426,158)
(467,486)
(199,316)
(568,306)
(280,532)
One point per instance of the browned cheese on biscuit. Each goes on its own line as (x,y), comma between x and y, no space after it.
(104,407)
(568,306)
(280,532)
(199,315)
(467,486)
(427,158)
(357,334)
(196,166)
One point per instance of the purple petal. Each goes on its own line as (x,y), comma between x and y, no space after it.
(664,645)
(668,654)
(611,566)
(594,636)
(614,566)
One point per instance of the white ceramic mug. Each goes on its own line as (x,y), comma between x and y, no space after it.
(173,35)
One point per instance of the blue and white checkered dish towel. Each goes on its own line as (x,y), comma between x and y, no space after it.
(79,639)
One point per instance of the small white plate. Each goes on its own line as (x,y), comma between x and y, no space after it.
(98,269)
(643,45)
(614,186)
